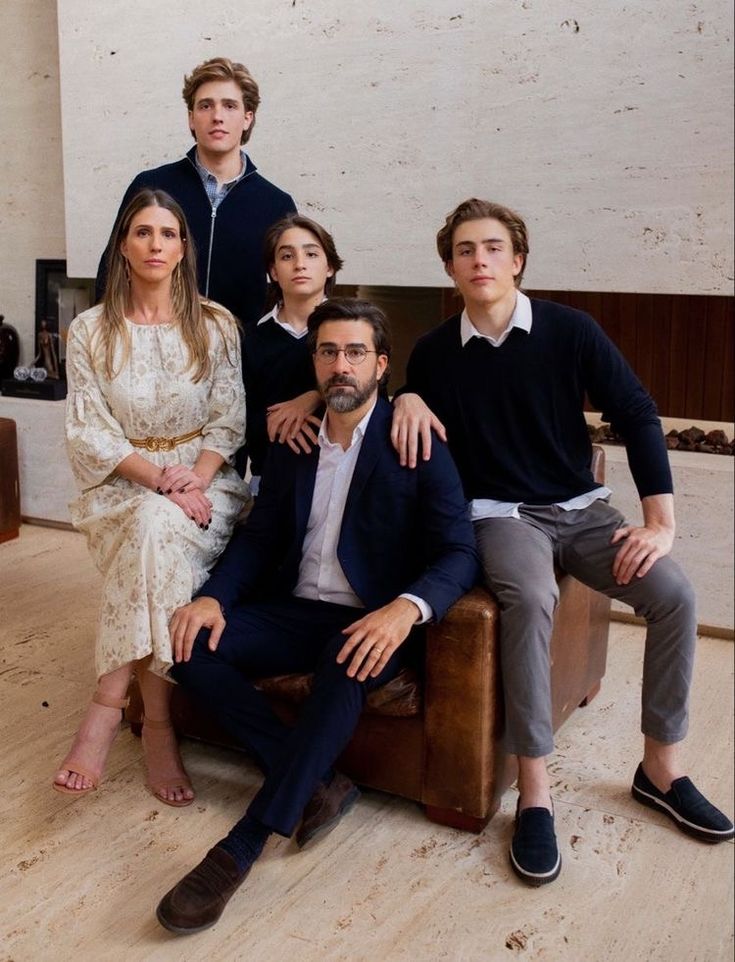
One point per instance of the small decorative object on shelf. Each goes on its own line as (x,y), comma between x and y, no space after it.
(32,373)
(48,358)
(34,382)
(58,300)
(9,348)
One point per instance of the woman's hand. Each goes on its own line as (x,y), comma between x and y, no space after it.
(178,478)
(194,504)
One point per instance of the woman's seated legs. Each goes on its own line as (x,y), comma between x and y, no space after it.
(167,778)
(82,768)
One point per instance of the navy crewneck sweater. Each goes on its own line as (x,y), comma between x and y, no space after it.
(514,414)
(276,367)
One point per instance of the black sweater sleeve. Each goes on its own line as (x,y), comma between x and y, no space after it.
(614,389)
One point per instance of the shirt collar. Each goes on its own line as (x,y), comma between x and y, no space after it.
(273,316)
(357,435)
(520,318)
(204,173)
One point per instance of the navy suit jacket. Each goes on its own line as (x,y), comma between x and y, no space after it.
(403,529)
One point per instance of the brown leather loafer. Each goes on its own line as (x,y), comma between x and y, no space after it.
(197,901)
(325,808)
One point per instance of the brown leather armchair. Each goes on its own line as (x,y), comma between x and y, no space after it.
(435,736)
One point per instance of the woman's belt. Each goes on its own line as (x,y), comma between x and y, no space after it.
(164,444)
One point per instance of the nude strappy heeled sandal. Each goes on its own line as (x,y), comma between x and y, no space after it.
(166,782)
(75,762)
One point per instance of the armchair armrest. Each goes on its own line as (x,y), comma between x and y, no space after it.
(462,713)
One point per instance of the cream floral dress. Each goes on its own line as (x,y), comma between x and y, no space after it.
(151,555)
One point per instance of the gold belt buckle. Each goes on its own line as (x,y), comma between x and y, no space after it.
(159,444)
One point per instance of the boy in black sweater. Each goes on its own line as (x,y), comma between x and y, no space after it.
(504,383)
(281,396)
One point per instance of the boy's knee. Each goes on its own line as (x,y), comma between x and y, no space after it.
(532,600)
(670,593)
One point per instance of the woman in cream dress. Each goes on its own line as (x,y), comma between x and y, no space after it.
(155,413)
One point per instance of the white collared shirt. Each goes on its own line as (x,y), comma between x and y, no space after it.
(321,577)
(273,316)
(480,508)
(521,318)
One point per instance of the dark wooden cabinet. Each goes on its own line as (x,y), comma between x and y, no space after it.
(9,481)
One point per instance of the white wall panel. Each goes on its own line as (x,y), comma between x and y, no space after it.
(609,125)
(31,187)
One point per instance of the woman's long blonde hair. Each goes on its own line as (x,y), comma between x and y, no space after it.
(187,307)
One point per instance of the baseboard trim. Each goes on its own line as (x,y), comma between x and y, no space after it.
(711,631)
(48,523)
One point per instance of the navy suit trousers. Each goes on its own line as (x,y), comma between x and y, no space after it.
(291,635)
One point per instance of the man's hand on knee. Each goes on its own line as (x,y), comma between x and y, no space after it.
(641,548)
(373,639)
(187,622)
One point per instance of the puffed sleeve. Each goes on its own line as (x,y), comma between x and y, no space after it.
(95,441)
(224,432)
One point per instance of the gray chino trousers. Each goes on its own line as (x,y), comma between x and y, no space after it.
(518,557)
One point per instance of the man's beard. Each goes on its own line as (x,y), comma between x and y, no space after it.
(344,402)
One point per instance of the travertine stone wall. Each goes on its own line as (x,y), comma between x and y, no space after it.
(608,124)
(31,186)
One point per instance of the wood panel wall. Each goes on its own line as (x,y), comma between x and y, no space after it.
(681,346)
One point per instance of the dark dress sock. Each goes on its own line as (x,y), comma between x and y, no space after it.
(245,841)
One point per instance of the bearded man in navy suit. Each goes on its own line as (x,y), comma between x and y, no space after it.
(343,554)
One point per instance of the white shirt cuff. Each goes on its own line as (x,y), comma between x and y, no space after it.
(427,612)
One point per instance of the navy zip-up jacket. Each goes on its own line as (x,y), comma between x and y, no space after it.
(228,240)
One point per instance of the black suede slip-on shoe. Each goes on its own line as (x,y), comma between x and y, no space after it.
(686,806)
(534,854)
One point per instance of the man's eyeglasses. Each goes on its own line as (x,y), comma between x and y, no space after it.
(355,354)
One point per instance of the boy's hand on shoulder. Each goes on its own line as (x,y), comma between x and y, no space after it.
(413,421)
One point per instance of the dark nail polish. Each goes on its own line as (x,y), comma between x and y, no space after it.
(169,491)
(158,491)
(206,527)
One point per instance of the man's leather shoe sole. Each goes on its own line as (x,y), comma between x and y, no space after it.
(199,899)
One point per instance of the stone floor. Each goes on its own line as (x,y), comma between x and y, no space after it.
(81,877)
